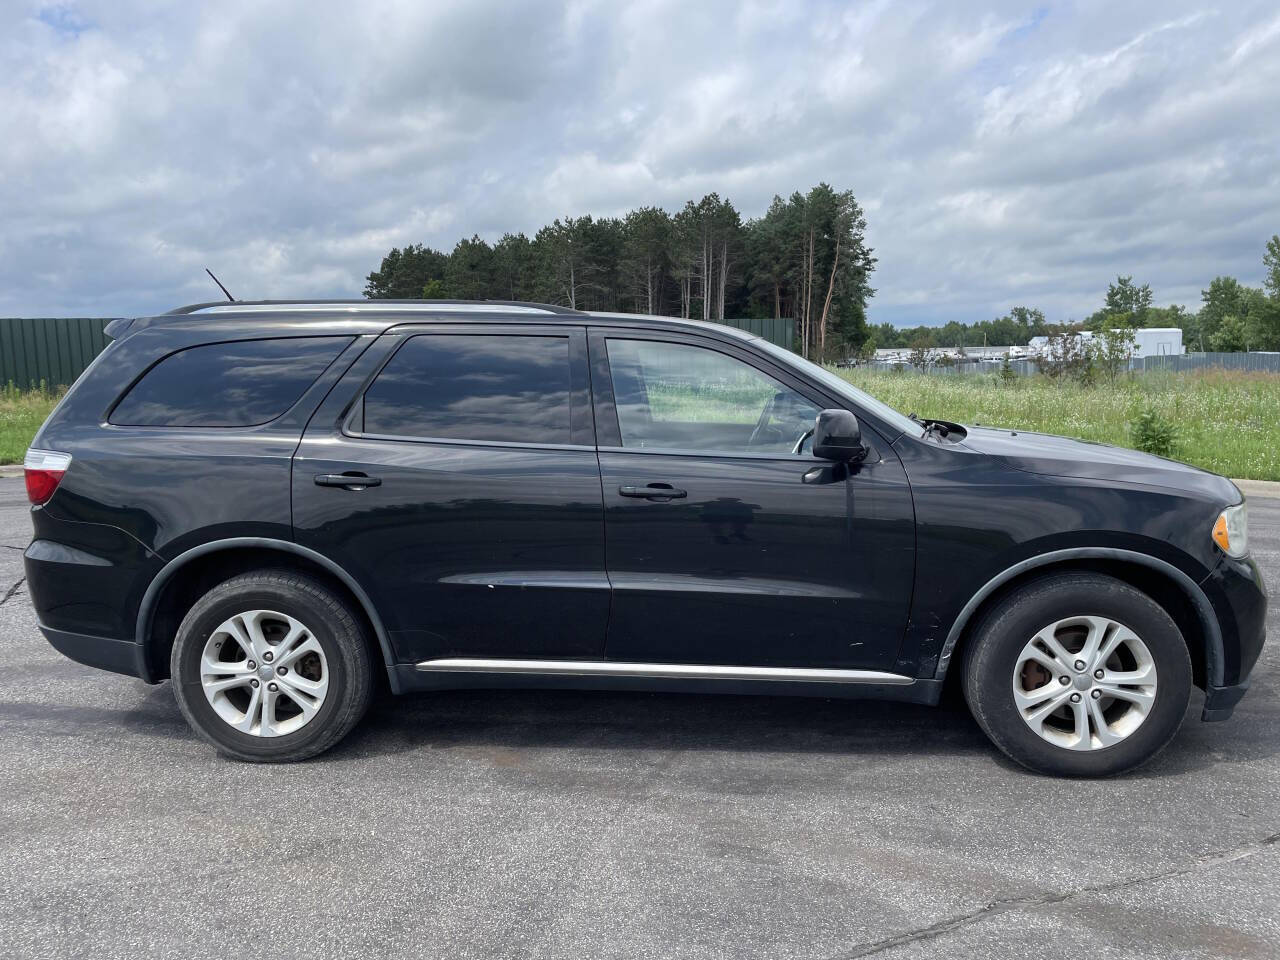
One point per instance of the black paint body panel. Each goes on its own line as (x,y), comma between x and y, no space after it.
(467,549)
(756,566)
(976,515)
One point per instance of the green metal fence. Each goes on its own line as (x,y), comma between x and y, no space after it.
(777,330)
(52,350)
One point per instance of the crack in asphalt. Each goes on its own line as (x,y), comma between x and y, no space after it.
(12,590)
(997,907)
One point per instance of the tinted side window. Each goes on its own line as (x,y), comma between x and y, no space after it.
(238,384)
(474,387)
(679,396)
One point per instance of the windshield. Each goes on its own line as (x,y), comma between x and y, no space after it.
(900,422)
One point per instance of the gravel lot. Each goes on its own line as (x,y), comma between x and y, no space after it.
(576,825)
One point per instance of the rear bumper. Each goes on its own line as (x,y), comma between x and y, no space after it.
(86,577)
(118,656)
(85,601)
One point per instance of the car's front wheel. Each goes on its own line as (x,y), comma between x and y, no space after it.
(271,666)
(1078,674)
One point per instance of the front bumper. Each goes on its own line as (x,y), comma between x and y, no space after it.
(1239,599)
(1219,702)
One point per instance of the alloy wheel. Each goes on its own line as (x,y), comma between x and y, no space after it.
(264,673)
(1084,683)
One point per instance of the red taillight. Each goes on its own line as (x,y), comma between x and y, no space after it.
(43,470)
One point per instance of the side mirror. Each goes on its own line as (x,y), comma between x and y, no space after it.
(837,436)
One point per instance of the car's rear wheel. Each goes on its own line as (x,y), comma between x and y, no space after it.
(1078,674)
(271,666)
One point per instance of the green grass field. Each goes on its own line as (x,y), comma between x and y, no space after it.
(1226,422)
(21,413)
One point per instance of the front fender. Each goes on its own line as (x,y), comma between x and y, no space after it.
(1195,595)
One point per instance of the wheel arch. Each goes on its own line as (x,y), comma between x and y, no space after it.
(190,574)
(1167,584)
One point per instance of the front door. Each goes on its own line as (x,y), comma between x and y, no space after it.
(458,484)
(724,544)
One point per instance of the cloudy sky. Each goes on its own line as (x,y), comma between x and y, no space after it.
(1004,153)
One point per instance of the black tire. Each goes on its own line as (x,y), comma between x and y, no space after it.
(334,626)
(1001,634)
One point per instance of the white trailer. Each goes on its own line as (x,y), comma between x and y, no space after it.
(1157,342)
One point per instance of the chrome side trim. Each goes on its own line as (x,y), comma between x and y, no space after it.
(665,671)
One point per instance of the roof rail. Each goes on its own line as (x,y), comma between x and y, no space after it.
(459,306)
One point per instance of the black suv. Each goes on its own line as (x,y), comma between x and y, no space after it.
(278,504)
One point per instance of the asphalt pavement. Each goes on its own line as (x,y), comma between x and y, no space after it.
(575,825)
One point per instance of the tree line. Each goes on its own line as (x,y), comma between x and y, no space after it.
(806,258)
(1232,317)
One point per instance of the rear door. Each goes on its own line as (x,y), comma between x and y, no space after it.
(724,544)
(454,475)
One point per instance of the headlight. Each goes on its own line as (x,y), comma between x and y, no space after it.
(1231,531)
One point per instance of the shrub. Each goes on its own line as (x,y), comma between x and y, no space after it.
(1113,349)
(1067,356)
(1153,433)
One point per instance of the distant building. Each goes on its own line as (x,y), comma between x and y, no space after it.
(971,354)
(1147,342)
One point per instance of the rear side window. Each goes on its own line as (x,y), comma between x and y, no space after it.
(474,387)
(239,384)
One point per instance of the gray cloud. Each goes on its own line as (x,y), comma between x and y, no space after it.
(1004,155)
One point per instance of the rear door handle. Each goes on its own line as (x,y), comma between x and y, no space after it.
(661,492)
(347,481)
